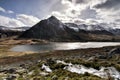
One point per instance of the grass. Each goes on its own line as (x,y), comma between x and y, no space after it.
(60,74)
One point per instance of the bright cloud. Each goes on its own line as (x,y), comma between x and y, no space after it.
(28,19)
(9,11)
(6,11)
(10,22)
(19,21)
(2,9)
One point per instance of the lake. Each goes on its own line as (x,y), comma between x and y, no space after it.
(62,46)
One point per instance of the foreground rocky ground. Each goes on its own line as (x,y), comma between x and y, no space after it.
(62,69)
(85,64)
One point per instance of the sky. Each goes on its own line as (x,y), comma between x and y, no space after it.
(18,13)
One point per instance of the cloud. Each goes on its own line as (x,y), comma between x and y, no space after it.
(109,4)
(108,11)
(10,22)
(9,11)
(75,11)
(28,19)
(89,11)
(2,9)
(78,11)
(71,10)
(6,11)
(19,21)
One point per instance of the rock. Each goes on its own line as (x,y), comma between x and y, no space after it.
(11,77)
(91,58)
(66,78)
(22,65)
(11,71)
(3,71)
(55,77)
(44,73)
(113,52)
(50,61)
(102,57)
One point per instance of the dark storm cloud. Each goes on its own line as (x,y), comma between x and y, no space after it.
(109,4)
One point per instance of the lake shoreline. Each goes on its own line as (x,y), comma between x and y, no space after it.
(57,54)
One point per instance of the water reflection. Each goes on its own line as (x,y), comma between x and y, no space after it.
(62,46)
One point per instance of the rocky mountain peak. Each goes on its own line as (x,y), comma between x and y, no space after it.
(52,18)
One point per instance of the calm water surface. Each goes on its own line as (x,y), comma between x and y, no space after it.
(62,46)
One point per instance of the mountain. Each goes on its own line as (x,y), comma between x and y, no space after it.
(94,29)
(11,31)
(50,29)
(24,28)
(115,31)
(54,30)
(86,27)
(4,28)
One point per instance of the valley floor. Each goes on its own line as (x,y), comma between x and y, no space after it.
(44,66)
